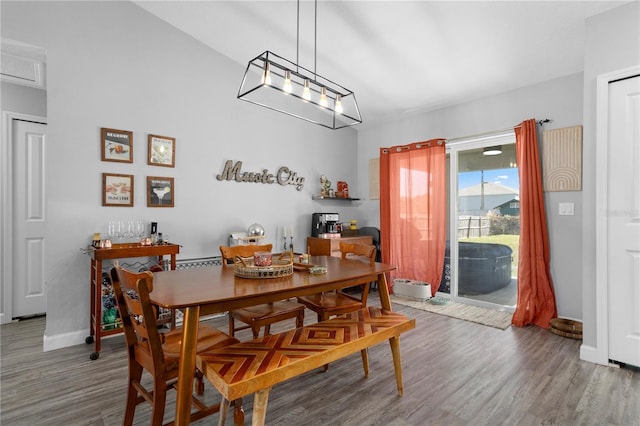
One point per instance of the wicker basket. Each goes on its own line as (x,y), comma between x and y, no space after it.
(280,267)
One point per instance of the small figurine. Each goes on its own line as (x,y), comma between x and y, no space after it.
(325,185)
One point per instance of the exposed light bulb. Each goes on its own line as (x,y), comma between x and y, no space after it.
(306,93)
(323,97)
(287,87)
(266,75)
(338,107)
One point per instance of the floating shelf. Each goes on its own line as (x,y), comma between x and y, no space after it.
(322,197)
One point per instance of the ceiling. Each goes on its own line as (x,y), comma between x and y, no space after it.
(400,57)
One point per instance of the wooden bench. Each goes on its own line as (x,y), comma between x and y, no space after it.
(255,366)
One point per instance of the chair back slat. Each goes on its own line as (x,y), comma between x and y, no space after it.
(230,252)
(364,250)
(139,317)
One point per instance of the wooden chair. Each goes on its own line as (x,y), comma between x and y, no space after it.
(332,303)
(265,314)
(329,304)
(155,352)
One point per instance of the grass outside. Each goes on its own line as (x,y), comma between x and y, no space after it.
(513,241)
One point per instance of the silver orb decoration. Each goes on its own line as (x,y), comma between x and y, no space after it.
(255,230)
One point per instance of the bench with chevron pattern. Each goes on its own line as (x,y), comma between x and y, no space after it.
(255,366)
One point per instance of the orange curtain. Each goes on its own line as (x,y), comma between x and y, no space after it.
(536,299)
(413,210)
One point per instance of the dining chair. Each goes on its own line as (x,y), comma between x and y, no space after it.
(158,353)
(263,315)
(332,303)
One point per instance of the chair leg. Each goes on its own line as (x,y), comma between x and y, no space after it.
(365,362)
(199,383)
(135,374)
(300,319)
(255,331)
(267,329)
(238,413)
(232,325)
(159,400)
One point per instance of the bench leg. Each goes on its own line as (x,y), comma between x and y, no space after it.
(260,400)
(224,410)
(397,363)
(365,362)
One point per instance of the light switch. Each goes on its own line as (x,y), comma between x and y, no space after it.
(565,209)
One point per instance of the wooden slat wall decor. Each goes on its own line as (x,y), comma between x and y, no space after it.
(562,159)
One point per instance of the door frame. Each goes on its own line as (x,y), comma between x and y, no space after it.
(602,234)
(6,210)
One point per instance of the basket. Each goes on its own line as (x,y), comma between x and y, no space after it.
(280,267)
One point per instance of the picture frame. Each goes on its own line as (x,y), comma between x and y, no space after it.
(160,191)
(161,151)
(117,145)
(117,190)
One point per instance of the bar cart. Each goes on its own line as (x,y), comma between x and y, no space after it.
(97,327)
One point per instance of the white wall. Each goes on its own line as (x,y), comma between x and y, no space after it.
(111,64)
(559,100)
(612,43)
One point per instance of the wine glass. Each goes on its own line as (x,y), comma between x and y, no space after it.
(140,229)
(131,229)
(111,231)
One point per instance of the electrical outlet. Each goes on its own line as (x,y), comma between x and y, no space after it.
(565,209)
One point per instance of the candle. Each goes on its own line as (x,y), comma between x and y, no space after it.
(291,231)
(284,231)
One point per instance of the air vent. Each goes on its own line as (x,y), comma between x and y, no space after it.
(24,71)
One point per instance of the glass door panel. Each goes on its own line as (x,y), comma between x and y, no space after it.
(481,257)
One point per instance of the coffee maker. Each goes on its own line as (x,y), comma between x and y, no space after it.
(324,223)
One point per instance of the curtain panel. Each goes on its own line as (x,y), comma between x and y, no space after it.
(536,298)
(413,210)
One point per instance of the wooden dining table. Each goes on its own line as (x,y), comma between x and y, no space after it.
(214,289)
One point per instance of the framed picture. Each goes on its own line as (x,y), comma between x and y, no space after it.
(162,151)
(117,190)
(160,191)
(117,145)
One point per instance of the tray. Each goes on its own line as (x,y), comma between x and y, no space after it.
(280,267)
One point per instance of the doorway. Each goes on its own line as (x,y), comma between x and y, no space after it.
(483,211)
(23,242)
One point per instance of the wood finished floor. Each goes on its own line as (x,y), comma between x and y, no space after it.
(455,373)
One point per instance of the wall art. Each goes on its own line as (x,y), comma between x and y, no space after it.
(160,191)
(117,145)
(117,190)
(161,151)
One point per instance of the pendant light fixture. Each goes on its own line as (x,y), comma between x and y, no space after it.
(276,83)
(492,150)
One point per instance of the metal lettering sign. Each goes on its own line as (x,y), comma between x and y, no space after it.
(284,175)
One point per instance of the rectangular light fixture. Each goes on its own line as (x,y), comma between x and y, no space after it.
(276,83)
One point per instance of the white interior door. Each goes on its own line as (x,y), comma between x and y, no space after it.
(28,284)
(623,221)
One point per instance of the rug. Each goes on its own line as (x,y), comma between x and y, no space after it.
(477,314)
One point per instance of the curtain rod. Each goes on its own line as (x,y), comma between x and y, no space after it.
(480,135)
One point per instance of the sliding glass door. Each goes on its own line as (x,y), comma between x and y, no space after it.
(481,257)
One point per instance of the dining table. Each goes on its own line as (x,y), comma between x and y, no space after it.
(214,289)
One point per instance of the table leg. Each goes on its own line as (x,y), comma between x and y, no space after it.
(383,291)
(187,364)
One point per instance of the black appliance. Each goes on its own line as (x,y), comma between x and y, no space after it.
(324,223)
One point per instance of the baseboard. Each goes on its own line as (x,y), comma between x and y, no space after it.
(588,353)
(63,340)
